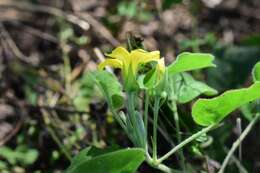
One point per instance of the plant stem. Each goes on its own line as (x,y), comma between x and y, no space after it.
(238,142)
(155,124)
(177,124)
(159,166)
(136,121)
(146,107)
(115,115)
(185,142)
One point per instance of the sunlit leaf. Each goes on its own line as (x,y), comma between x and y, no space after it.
(210,111)
(191,61)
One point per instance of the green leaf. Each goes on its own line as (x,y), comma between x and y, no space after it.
(87,154)
(187,88)
(191,61)
(110,87)
(256,72)
(120,161)
(210,111)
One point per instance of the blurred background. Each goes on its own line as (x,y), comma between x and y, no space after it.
(48,109)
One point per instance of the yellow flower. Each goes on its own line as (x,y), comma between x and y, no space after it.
(129,62)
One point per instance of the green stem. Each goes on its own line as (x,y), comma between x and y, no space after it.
(237,143)
(159,166)
(155,124)
(135,121)
(146,107)
(115,115)
(185,142)
(177,124)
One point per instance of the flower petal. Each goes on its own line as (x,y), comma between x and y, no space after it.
(110,62)
(143,56)
(119,53)
(140,56)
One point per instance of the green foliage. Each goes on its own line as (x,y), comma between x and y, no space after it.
(169,3)
(110,87)
(3,165)
(247,111)
(67,34)
(120,161)
(252,40)
(190,61)
(256,72)
(231,71)
(86,90)
(21,154)
(196,43)
(211,111)
(187,88)
(131,10)
(128,9)
(31,95)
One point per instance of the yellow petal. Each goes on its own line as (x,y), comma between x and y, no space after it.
(151,56)
(143,56)
(110,62)
(119,53)
(140,56)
